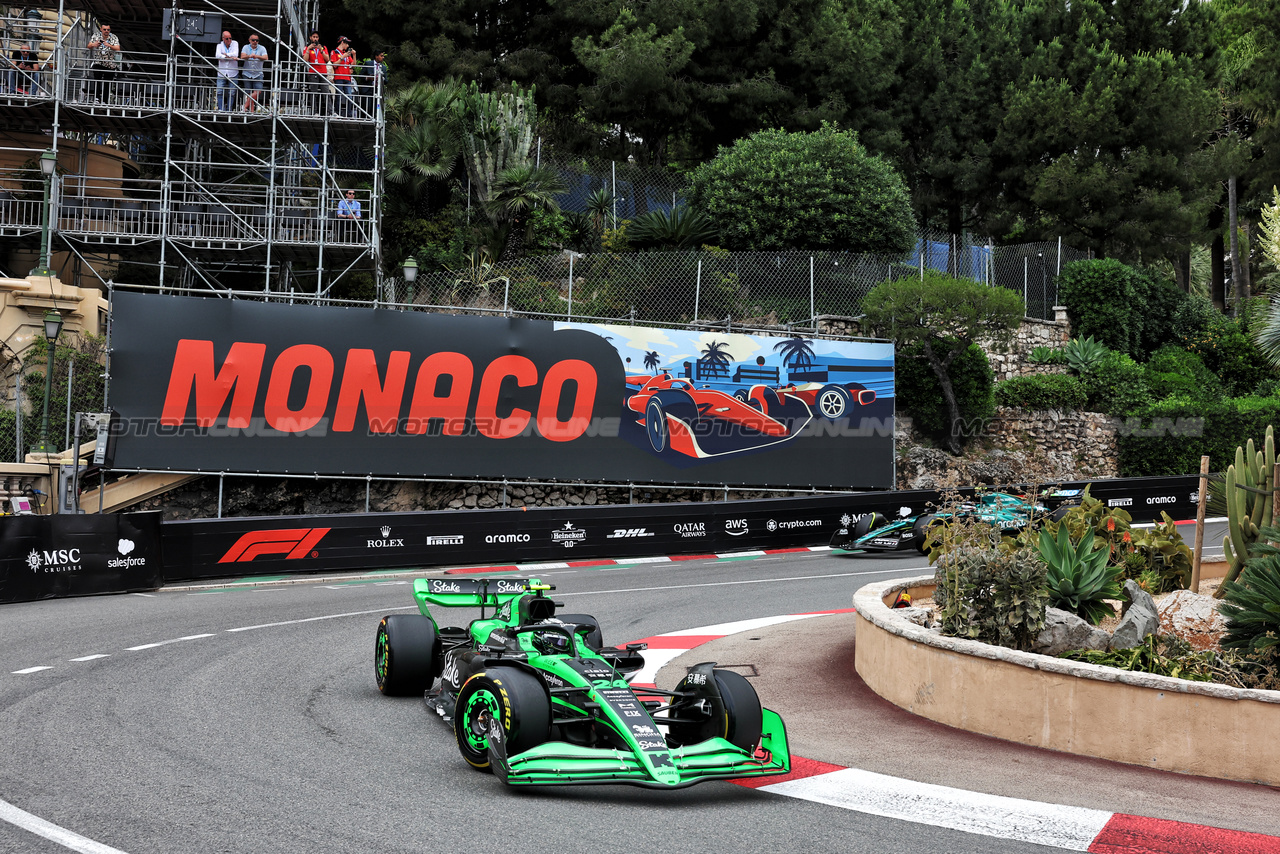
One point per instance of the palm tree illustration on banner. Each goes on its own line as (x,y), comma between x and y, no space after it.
(716,359)
(652,360)
(796,352)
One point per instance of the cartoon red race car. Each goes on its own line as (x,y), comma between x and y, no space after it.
(830,400)
(706,422)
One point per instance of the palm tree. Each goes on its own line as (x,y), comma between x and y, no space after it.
(518,192)
(716,358)
(796,352)
(652,360)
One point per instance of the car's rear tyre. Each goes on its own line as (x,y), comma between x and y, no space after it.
(594,638)
(833,402)
(404,654)
(867,523)
(738,718)
(920,530)
(508,695)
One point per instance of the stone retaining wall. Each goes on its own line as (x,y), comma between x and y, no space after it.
(1137,718)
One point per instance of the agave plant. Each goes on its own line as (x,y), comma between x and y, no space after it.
(1079,576)
(1081,354)
(1045,356)
(1252,604)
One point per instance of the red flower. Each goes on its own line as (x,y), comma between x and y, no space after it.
(1111,523)
(1126,537)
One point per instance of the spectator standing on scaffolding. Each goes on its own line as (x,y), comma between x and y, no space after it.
(23,76)
(343,61)
(373,75)
(254,55)
(228,56)
(316,56)
(104,62)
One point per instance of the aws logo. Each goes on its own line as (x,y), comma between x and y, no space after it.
(293,543)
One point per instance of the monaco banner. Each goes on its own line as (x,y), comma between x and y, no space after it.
(240,386)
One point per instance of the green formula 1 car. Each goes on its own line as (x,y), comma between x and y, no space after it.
(539,700)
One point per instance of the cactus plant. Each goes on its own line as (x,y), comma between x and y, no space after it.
(1079,576)
(1247,488)
(1252,606)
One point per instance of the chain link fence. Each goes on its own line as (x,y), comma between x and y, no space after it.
(744,289)
(77,387)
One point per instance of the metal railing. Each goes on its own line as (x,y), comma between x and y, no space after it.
(190,84)
(21,203)
(141,209)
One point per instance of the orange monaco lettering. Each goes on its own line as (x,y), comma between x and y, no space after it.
(583,377)
(452,407)
(488,422)
(381,402)
(193,367)
(276,407)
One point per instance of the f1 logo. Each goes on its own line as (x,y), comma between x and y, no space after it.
(293,543)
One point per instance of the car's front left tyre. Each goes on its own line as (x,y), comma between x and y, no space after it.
(512,697)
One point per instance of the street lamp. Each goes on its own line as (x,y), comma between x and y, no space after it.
(52,328)
(48,165)
(410,269)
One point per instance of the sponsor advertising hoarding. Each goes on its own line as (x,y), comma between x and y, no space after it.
(43,557)
(235,385)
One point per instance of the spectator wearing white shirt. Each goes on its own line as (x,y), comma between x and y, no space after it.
(228,56)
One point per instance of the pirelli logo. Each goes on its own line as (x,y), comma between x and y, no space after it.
(293,543)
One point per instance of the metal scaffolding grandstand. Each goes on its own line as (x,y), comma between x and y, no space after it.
(209,198)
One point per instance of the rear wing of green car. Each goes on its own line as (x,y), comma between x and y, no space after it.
(470,592)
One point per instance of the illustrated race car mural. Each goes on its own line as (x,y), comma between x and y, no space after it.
(703,421)
(873,532)
(539,700)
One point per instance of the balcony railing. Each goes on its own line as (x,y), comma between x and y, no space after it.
(190,85)
(209,214)
(21,203)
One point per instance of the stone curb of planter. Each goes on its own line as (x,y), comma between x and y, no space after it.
(869,603)
(1198,728)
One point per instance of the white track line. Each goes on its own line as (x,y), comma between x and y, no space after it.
(1071,828)
(166,642)
(50,831)
(90,657)
(27,670)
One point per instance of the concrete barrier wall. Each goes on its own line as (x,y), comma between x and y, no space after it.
(1140,719)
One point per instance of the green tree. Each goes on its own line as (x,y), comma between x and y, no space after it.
(944,317)
(819,190)
(1104,134)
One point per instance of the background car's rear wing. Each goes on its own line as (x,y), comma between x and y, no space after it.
(471,592)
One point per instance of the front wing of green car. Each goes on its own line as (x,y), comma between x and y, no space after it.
(560,763)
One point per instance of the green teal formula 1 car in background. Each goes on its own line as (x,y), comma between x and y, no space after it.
(538,699)
(1005,512)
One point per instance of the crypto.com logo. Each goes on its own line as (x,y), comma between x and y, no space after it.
(293,543)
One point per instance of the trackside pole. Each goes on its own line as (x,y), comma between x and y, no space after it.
(1202,496)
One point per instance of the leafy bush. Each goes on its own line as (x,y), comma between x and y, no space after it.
(1116,385)
(1161,550)
(1170,436)
(1103,301)
(920,395)
(1173,372)
(1041,391)
(1160,300)
(1079,575)
(819,190)
(1251,604)
(992,596)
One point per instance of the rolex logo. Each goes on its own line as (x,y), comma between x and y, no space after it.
(386,530)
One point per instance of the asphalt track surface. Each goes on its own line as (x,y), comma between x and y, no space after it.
(245,719)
